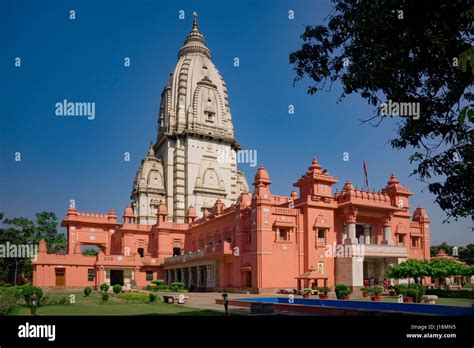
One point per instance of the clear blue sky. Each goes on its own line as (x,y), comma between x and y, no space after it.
(82,60)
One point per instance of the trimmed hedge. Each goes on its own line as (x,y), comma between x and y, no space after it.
(104,287)
(451,293)
(105,296)
(87,291)
(117,288)
(341,290)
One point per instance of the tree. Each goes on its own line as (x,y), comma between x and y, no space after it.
(22,231)
(409,269)
(443,268)
(406,51)
(448,249)
(466,254)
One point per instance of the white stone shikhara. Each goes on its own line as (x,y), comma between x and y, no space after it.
(195,126)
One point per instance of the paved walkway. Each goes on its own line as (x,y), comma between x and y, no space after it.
(207,300)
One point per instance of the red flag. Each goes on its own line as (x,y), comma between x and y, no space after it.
(366,175)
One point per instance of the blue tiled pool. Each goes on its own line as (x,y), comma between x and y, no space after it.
(413,308)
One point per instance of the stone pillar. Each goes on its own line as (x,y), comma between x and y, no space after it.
(199,280)
(367,234)
(190,276)
(175,275)
(387,231)
(344,234)
(351,229)
(183,277)
(350,217)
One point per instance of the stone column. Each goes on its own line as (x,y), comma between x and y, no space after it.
(183,277)
(367,234)
(175,275)
(387,231)
(199,280)
(344,234)
(350,217)
(190,281)
(351,239)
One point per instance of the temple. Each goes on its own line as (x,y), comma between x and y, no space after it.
(192,218)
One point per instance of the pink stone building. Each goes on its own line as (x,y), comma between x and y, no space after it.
(259,244)
(253,241)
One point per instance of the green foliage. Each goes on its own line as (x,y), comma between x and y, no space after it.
(416,291)
(51,301)
(104,287)
(323,289)
(158,281)
(341,289)
(8,299)
(409,269)
(375,290)
(176,286)
(444,268)
(151,297)
(134,297)
(28,290)
(465,253)
(467,294)
(90,252)
(374,53)
(117,288)
(306,291)
(25,231)
(401,289)
(87,291)
(105,296)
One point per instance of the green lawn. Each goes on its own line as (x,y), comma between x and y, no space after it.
(93,305)
(459,302)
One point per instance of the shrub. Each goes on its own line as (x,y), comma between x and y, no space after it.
(306,291)
(105,296)
(365,289)
(339,288)
(323,289)
(416,291)
(151,297)
(375,290)
(87,291)
(134,297)
(343,293)
(158,281)
(400,289)
(51,301)
(468,294)
(8,299)
(117,288)
(175,286)
(29,290)
(104,287)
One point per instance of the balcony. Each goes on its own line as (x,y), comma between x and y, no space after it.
(208,252)
(383,250)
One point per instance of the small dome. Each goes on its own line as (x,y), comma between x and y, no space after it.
(262,176)
(191,211)
(348,186)
(314,165)
(162,210)
(393,180)
(128,211)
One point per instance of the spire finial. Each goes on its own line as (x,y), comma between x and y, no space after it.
(195,23)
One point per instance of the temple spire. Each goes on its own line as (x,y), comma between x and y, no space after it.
(195,23)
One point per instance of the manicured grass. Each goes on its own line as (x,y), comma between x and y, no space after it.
(458,302)
(93,305)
